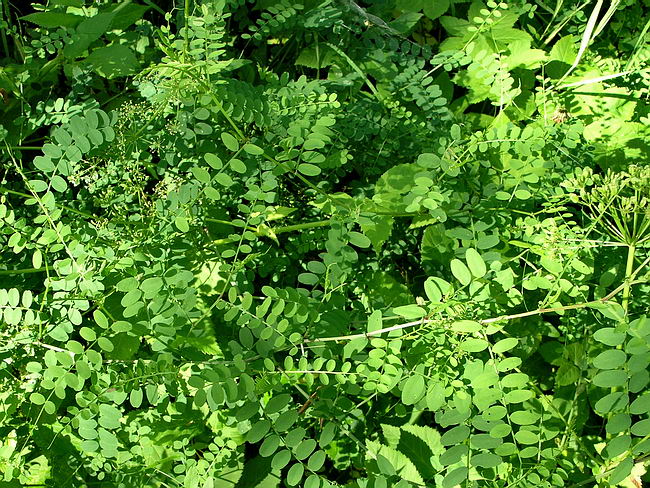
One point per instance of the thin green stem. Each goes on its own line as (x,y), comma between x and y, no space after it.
(357,70)
(272,231)
(4,272)
(122,6)
(186,33)
(49,66)
(154,6)
(65,207)
(637,45)
(567,18)
(227,222)
(501,318)
(306,225)
(5,44)
(629,268)
(13,192)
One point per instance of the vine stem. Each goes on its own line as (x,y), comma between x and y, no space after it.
(501,318)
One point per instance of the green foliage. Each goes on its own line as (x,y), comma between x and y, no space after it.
(338,243)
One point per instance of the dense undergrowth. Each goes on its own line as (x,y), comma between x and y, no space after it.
(324,243)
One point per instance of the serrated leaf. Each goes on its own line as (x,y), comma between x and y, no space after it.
(564,50)
(435,8)
(53,19)
(113,61)
(377,228)
(397,461)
